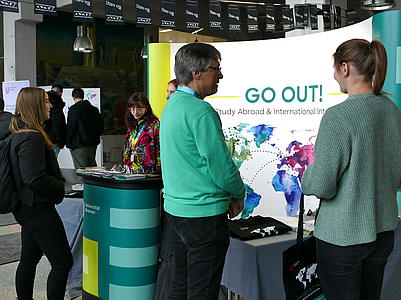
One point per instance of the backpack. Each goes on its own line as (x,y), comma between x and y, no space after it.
(9,200)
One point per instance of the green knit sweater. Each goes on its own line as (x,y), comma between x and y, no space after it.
(199,175)
(357,170)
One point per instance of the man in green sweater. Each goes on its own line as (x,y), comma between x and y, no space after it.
(202,185)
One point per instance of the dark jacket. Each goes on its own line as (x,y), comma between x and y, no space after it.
(56,127)
(5,119)
(35,168)
(84,125)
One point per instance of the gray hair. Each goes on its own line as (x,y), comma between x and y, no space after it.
(193,57)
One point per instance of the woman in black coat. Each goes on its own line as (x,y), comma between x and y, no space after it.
(39,181)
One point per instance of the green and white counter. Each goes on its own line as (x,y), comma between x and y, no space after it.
(121,238)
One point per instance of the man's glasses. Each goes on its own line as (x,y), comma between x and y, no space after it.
(138,109)
(218,68)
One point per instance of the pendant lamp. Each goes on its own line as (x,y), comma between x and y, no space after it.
(82,42)
(377,4)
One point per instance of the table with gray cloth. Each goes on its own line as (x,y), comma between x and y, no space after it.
(71,211)
(253,269)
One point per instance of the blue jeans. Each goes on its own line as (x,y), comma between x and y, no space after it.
(56,149)
(354,272)
(200,246)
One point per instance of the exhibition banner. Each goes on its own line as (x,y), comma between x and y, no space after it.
(167,14)
(270,18)
(10,93)
(326,16)
(299,16)
(45,7)
(214,14)
(252,18)
(113,10)
(288,18)
(313,18)
(143,13)
(9,5)
(192,14)
(306,15)
(337,17)
(234,17)
(271,105)
(82,11)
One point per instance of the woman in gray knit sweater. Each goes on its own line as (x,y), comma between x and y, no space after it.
(356,174)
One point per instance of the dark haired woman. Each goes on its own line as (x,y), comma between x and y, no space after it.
(141,148)
(39,181)
(356,174)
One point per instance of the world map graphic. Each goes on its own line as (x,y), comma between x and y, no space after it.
(286,161)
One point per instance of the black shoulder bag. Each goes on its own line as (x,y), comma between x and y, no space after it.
(300,277)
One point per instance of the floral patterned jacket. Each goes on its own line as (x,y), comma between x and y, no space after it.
(142,148)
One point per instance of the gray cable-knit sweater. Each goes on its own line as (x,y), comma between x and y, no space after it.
(357,170)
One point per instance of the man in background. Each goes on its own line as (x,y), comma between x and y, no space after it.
(202,184)
(5,118)
(55,127)
(84,128)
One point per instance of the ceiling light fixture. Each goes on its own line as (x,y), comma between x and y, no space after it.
(377,4)
(196,31)
(82,42)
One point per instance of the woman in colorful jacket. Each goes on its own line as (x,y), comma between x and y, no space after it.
(141,148)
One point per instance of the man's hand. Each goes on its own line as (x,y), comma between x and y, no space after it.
(235,208)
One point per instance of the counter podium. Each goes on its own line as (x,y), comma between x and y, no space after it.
(121,238)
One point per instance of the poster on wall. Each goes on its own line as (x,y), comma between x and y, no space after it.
(10,93)
(271,115)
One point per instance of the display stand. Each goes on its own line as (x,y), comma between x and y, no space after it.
(121,238)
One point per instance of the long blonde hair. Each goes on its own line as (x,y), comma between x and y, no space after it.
(31,108)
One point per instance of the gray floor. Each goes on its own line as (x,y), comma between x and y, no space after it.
(7,273)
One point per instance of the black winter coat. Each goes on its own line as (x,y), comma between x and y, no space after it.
(5,119)
(56,127)
(84,125)
(35,168)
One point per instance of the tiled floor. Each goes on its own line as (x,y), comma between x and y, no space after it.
(7,273)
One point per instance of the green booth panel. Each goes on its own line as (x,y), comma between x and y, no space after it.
(121,238)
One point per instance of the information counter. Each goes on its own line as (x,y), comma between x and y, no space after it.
(121,238)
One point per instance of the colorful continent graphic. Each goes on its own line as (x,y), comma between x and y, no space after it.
(293,161)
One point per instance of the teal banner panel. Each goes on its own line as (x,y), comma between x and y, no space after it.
(122,226)
(386,28)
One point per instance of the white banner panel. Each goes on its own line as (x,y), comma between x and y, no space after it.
(271,100)
(10,92)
